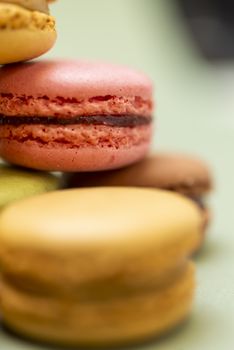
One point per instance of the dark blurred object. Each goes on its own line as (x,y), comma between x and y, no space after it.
(212,25)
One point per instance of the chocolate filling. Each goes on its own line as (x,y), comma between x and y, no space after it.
(108,120)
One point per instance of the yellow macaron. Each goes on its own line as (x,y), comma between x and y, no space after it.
(26,30)
(98,266)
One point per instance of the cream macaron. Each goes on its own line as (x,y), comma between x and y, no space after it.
(26,30)
(100,266)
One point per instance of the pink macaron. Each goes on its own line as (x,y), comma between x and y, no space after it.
(74,115)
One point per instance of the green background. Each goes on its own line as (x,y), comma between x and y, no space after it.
(194,114)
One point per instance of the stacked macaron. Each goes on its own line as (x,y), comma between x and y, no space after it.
(16,184)
(26,30)
(88,266)
(74,115)
(98,266)
(179,173)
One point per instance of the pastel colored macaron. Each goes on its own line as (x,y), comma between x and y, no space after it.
(100,266)
(16,184)
(74,115)
(176,172)
(26,30)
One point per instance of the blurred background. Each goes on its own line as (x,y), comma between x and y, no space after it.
(187,47)
(180,44)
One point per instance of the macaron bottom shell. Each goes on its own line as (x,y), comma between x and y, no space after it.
(82,149)
(128,319)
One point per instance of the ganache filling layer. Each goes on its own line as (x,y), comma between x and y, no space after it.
(108,120)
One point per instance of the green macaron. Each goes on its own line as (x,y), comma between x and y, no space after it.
(16,184)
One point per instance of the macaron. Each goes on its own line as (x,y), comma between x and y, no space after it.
(74,115)
(98,266)
(16,184)
(26,30)
(175,172)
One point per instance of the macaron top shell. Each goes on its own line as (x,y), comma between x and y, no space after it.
(73,79)
(16,184)
(100,218)
(81,236)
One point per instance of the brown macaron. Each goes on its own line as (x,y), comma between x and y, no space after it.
(180,173)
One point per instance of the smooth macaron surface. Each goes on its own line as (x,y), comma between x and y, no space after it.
(113,226)
(180,173)
(16,184)
(74,115)
(174,172)
(103,205)
(73,79)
